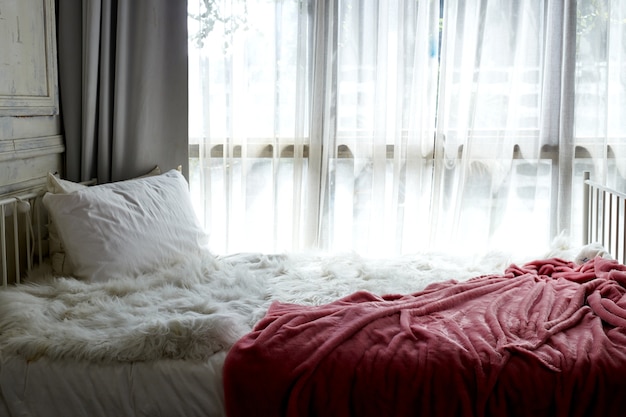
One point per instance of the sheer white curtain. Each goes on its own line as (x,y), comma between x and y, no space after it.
(378,158)
(250,121)
(600,125)
(311,122)
(392,127)
(600,111)
(501,121)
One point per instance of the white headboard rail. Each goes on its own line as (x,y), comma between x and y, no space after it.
(605,218)
(17,245)
(23,233)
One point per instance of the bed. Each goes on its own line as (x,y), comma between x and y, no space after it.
(123,310)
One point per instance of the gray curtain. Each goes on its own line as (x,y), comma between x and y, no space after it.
(123,86)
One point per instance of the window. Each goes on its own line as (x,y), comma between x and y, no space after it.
(392,127)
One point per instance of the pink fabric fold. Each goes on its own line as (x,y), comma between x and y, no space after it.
(542,339)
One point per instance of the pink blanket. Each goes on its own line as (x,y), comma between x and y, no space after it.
(544,339)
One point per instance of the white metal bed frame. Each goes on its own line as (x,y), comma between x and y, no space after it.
(22,249)
(604,218)
(25,208)
(604,222)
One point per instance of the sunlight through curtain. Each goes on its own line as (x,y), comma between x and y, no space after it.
(393,127)
(500,123)
(600,122)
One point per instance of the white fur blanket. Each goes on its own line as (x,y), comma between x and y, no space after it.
(194,309)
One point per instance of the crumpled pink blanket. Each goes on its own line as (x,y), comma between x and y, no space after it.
(544,339)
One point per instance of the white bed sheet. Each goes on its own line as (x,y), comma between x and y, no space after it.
(62,388)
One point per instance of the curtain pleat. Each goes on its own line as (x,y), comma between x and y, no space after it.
(322,116)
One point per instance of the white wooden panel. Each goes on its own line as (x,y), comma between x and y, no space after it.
(31,144)
(29,127)
(28,76)
(27,173)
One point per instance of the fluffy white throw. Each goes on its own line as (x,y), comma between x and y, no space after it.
(193,309)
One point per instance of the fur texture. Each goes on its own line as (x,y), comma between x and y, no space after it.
(193,309)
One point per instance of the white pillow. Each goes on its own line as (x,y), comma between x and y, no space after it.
(61,264)
(127,227)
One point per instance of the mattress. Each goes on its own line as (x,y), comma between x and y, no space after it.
(69,388)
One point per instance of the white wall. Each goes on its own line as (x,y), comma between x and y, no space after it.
(31,143)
